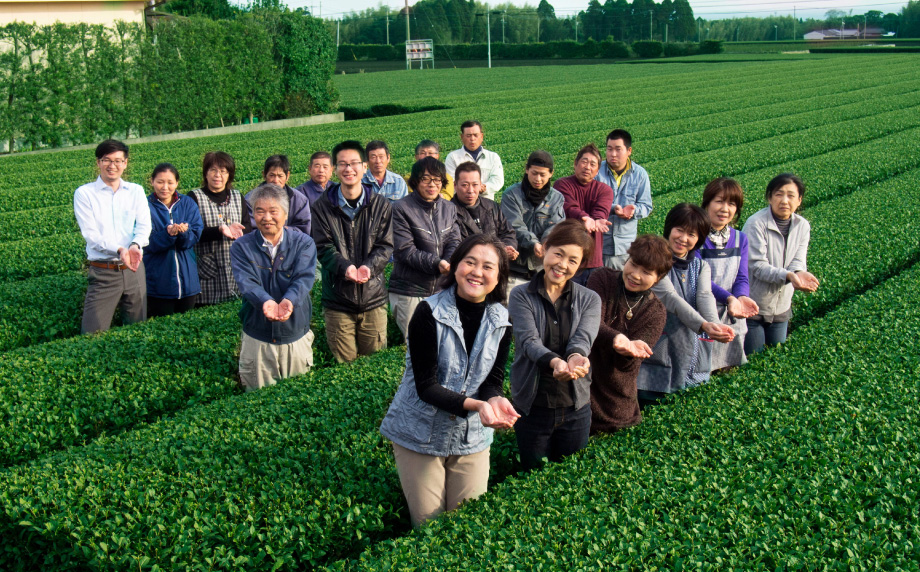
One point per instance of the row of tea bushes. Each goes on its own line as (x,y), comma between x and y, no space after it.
(803,460)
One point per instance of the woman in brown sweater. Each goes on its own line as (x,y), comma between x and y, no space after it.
(632,319)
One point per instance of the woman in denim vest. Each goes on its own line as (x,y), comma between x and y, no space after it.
(442,418)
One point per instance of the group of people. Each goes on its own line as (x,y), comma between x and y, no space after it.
(604,322)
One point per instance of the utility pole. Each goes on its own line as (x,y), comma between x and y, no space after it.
(699,30)
(775,33)
(337,23)
(538,28)
(489,35)
(408,37)
(576,27)
(388,25)
(503,25)
(793,23)
(666,32)
(650,12)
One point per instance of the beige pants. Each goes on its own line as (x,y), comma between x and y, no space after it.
(263,364)
(351,335)
(403,307)
(513,282)
(433,485)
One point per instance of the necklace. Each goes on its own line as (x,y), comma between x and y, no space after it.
(629,309)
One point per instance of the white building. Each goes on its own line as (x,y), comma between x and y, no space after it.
(43,12)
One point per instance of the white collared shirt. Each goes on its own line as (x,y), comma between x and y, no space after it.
(272,248)
(110,219)
(490,164)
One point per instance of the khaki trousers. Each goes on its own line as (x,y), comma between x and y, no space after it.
(433,485)
(107,290)
(513,282)
(263,364)
(403,307)
(351,335)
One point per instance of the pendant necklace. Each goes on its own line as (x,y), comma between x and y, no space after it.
(629,309)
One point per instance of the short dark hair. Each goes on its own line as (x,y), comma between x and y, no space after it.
(498,294)
(352,145)
(589,148)
(782,180)
(165,168)
(571,231)
(320,155)
(652,253)
(540,158)
(219,160)
(430,166)
(620,134)
(110,146)
(426,144)
(469,124)
(376,144)
(691,218)
(467,167)
(275,162)
(727,187)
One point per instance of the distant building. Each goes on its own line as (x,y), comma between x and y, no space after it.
(43,12)
(834,34)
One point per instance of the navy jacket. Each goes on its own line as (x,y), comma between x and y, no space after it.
(290,276)
(172,272)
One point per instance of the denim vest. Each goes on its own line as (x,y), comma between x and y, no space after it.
(426,429)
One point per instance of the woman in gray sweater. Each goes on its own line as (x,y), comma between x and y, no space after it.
(778,244)
(555,323)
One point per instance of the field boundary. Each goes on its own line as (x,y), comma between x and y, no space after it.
(228,130)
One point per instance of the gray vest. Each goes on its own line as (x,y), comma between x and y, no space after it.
(426,429)
(725,263)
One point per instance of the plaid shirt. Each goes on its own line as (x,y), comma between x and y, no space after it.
(719,238)
(217,283)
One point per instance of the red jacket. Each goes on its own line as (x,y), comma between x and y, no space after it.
(593,200)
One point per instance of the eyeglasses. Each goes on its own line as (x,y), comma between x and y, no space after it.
(430,180)
(105,162)
(221,172)
(354,165)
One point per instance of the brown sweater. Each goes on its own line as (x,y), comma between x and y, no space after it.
(613,389)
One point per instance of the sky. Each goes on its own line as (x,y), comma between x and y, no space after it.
(708,9)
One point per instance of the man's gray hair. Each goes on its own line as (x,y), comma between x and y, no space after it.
(271,192)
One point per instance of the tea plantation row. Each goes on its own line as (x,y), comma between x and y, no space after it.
(788,462)
(642,108)
(803,460)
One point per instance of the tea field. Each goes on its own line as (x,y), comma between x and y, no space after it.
(135,450)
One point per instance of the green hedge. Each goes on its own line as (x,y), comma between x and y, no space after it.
(803,460)
(648,48)
(72,84)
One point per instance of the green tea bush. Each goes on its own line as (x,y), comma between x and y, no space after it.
(648,48)
(284,478)
(802,460)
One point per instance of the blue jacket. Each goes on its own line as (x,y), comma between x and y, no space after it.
(172,272)
(424,428)
(260,279)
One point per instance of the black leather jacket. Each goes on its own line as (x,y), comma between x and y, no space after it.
(423,234)
(341,242)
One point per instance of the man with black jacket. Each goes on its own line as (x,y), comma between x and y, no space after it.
(478,215)
(353,230)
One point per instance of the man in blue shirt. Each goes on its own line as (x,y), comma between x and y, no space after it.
(382,180)
(632,197)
